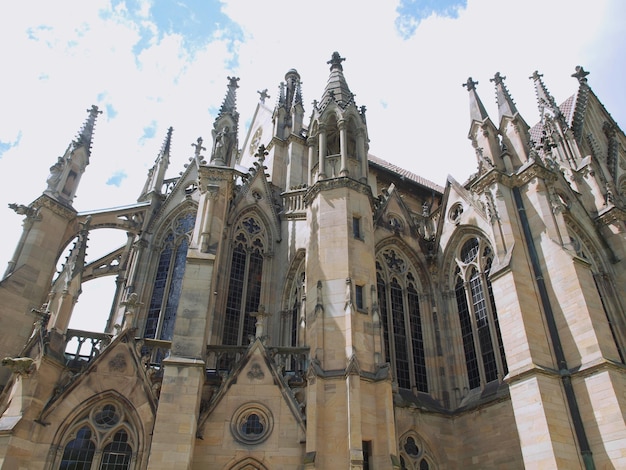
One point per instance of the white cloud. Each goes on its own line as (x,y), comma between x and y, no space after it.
(64,56)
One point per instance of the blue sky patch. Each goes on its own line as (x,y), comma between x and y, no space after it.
(196,21)
(412,12)
(149,131)
(117,178)
(6,146)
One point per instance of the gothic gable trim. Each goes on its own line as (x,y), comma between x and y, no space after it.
(391,201)
(110,361)
(257,194)
(255,350)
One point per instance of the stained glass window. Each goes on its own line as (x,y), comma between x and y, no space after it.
(398,303)
(482,342)
(244,287)
(169,279)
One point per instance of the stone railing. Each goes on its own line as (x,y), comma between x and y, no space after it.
(291,362)
(81,347)
(293,203)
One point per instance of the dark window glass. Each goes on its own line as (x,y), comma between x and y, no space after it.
(116,455)
(356,227)
(358,291)
(235,294)
(253,425)
(399,334)
(468,339)
(417,341)
(78,453)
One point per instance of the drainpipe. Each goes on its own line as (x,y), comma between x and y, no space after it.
(566,377)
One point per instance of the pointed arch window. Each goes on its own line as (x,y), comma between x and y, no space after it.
(245,281)
(102,441)
(169,279)
(401,320)
(480,331)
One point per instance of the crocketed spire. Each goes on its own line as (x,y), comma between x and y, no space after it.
(337,88)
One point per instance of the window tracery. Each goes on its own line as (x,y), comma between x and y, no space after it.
(401,320)
(245,281)
(413,455)
(480,331)
(169,279)
(101,440)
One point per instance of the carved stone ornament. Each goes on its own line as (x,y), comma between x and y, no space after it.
(19,365)
(118,363)
(255,372)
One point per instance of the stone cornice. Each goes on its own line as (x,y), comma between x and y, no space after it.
(335,183)
(611,216)
(55,206)
(584,370)
(525,174)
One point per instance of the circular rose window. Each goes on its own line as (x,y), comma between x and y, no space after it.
(252,423)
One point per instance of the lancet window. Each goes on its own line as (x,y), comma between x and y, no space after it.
(245,281)
(99,440)
(480,331)
(169,279)
(401,319)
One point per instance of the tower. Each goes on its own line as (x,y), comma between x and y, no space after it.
(50,223)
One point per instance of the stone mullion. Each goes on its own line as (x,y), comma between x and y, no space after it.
(409,337)
(492,326)
(244,294)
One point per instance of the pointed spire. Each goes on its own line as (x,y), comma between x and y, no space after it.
(337,88)
(156,174)
(165,148)
(582,100)
(544,99)
(477,110)
(85,134)
(506,106)
(229,106)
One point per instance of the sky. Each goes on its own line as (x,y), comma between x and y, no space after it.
(149,65)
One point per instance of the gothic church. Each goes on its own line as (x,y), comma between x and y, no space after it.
(291,301)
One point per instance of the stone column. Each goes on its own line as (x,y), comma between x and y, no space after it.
(311,147)
(343,143)
(321,174)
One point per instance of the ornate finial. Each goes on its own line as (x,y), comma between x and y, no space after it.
(335,61)
(470,84)
(261,153)
(497,78)
(198,148)
(536,75)
(233,82)
(263,95)
(580,74)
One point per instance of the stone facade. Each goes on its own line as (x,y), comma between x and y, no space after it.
(291,301)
